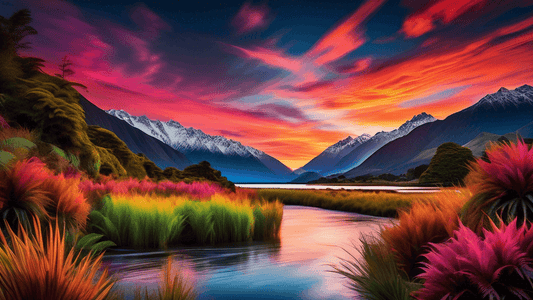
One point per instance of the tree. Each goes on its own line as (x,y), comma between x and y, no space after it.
(448,166)
(16,28)
(64,67)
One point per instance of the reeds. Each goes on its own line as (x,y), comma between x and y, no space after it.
(370,203)
(171,288)
(33,267)
(158,222)
(375,275)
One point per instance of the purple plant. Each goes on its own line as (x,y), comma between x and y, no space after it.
(469,267)
(3,123)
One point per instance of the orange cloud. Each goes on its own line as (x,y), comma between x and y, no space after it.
(477,68)
(446,11)
(344,38)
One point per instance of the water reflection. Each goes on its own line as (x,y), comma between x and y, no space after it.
(294,267)
(303,186)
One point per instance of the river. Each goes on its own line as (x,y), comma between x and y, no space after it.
(295,267)
(300,186)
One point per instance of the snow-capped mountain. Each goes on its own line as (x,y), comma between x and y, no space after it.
(334,153)
(231,157)
(358,155)
(506,111)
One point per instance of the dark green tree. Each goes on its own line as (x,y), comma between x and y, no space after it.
(449,165)
(16,28)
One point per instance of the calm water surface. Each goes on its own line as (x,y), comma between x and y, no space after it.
(300,186)
(293,268)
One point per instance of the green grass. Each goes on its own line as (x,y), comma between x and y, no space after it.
(371,203)
(153,222)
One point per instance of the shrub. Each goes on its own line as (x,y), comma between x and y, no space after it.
(449,165)
(37,268)
(503,186)
(470,267)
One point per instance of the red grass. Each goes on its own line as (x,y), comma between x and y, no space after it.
(22,192)
(470,266)
(510,169)
(200,190)
(502,187)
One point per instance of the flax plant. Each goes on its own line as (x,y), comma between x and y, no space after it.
(33,267)
(375,276)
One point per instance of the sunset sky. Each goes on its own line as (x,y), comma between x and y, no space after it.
(287,77)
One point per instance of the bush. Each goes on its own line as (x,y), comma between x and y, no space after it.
(449,166)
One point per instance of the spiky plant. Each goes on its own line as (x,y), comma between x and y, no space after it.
(469,267)
(68,203)
(22,195)
(171,288)
(423,224)
(501,187)
(375,276)
(33,267)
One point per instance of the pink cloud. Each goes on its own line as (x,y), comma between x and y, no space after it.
(274,58)
(445,11)
(250,17)
(150,24)
(346,37)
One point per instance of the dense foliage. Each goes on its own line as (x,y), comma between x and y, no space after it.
(449,165)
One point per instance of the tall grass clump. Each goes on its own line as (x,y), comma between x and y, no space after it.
(470,267)
(35,268)
(171,288)
(157,221)
(502,187)
(374,203)
(28,189)
(268,217)
(136,222)
(430,221)
(375,276)
(22,195)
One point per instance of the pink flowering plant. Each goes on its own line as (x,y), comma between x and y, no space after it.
(503,186)
(471,267)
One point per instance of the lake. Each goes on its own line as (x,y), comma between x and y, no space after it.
(298,186)
(294,267)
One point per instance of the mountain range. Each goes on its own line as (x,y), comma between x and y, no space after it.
(351,152)
(500,113)
(237,162)
(412,144)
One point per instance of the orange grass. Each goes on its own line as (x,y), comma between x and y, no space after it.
(431,220)
(171,288)
(36,268)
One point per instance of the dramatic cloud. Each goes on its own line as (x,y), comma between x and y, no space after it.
(250,18)
(344,38)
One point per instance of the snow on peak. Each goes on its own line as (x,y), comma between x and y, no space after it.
(348,142)
(504,97)
(185,139)
(405,128)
